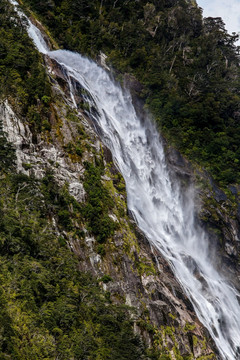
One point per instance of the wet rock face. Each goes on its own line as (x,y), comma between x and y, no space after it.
(138,276)
(219,195)
(160,304)
(216,210)
(181,168)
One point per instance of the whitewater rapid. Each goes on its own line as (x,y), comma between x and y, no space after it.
(161,210)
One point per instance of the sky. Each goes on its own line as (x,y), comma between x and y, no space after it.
(228,10)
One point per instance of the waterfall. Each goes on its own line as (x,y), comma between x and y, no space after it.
(161,210)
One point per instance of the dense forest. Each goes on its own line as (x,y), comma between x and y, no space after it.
(188,70)
(188,66)
(49,309)
(22,76)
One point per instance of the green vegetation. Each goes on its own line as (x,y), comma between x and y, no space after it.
(145,267)
(22,74)
(189,327)
(49,309)
(188,67)
(105,279)
(7,153)
(166,344)
(99,203)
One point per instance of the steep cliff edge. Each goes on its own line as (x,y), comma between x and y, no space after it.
(217,210)
(129,271)
(64,217)
(187,71)
(216,206)
(188,67)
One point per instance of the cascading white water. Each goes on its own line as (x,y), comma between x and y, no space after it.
(162,212)
(33,32)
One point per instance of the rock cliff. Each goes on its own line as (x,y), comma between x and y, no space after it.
(69,166)
(129,270)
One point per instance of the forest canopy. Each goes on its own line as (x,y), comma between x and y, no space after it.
(188,66)
(49,309)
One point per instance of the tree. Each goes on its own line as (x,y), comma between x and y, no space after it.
(7,153)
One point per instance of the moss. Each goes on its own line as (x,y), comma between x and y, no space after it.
(130,242)
(27,166)
(145,266)
(146,325)
(101,249)
(207,357)
(160,339)
(85,106)
(189,327)
(173,317)
(72,116)
(99,203)
(195,340)
(204,344)
(75,151)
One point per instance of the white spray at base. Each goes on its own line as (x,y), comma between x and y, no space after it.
(160,210)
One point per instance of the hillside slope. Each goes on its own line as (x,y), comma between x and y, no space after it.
(79,281)
(188,68)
